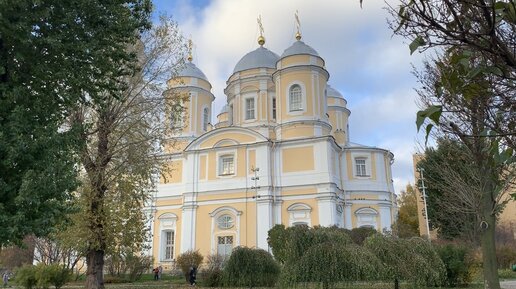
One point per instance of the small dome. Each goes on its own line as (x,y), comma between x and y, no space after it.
(260,57)
(299,47)
(330,91)
(191,70)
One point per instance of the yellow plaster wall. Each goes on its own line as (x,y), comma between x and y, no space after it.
(240,168)
(294,60)
(223,117)
(298,191)
(252,161)
(297,131)
(298,159)
(349,165)
(373,166)
(172,201)
(173,172)
(175,146)
(212,166)
(202,167)
(287,78)
(240,138)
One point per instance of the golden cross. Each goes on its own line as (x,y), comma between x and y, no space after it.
(260,26)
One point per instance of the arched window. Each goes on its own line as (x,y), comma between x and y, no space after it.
(205,118)
(295,98)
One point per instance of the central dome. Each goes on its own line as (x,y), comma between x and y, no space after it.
(261,57)
(299,47)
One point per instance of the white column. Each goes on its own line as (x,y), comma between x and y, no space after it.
(327,211)
(347,216)
(385,218)
(188,227)
(264,221)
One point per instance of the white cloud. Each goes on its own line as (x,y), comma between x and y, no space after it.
(366,63)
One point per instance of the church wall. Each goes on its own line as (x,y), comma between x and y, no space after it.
(157,238)
(173,172)
(297,131)
(298,159)
(287,218)
(238,137)
(303,78)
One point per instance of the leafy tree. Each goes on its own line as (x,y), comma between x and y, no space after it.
(187,260)
(250,268)
(468,103)
(52,55)
(358,235)
(447,207)
(407,224)
(412,260)
(468,94)
(332,262)
(121,134)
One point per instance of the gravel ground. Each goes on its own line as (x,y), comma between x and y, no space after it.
(508,284)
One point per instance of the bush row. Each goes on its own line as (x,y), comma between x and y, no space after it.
(42,276)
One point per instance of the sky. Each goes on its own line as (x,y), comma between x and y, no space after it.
(370,66)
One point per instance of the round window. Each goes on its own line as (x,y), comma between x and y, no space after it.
(225,222)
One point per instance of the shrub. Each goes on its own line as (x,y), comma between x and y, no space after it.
(136,265)
(26,276)
(189,259)
(411,260)
(250,268)
(506,255)
(358,235)
(212,273)
(329,263)
(457,261)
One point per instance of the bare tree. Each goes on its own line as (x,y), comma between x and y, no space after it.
(120,140)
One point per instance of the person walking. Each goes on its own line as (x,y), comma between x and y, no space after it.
(5,278)
(156,273)
(160,271)
(193,275)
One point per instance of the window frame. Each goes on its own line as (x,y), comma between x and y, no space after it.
(274,108)
(220,163)
(361,169)
(205,118)
(299,98)
(168,248)
(228,219)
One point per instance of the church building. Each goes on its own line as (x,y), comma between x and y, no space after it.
(279,153)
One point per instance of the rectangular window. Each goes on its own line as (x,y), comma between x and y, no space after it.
(249,108)
(360,167)
(169,245)
(274,108)
(227,165)
(224,245)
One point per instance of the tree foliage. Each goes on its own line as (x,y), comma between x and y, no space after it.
(249,267)
(53,54)
(407,224)
(449,179)
(187,260)
(413,260)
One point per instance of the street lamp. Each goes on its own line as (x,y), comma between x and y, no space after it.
(423,190)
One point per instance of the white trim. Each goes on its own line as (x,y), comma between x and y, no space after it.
(299,213)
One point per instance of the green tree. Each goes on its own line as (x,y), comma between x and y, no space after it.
(448,211)
(407,224)
(121,135)
(249,267)
(52,55)
(468,93)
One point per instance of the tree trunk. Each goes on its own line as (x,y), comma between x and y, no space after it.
(95,271)
(487,240)
(396,283)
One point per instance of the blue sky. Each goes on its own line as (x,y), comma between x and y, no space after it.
(367,64)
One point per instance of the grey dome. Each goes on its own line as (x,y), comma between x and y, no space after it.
(299,47)
(191,70)
(260,57)
(330,91)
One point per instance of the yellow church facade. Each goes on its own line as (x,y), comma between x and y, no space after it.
(279,153)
